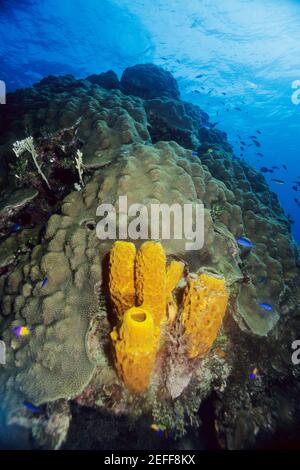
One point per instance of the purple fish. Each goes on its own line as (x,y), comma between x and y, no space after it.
(17,330)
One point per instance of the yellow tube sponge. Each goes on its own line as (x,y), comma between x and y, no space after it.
(151,280)
(135,346)
(204,306)
(174,274)
(121,276)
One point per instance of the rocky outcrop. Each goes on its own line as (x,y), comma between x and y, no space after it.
(149,81)
(108,80)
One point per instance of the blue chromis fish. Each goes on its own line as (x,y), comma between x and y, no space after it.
(31,407)
(194,153)
(15,228)
(266,307)
(44,282)
(245,242)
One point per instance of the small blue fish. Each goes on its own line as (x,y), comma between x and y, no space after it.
(194,153)
(245,242)
(266,307)
(31,407)
(15,228)
(262,280)
(44,282)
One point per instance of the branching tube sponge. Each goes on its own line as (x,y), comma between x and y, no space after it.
(174,274)
(121,277)
(141,286)
(151,280)
(135,344)
(204,306)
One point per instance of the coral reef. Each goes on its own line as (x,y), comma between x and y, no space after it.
(153,148)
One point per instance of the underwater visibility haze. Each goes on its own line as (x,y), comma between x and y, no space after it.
(112,335)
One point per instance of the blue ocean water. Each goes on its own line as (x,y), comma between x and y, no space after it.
(237,59)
